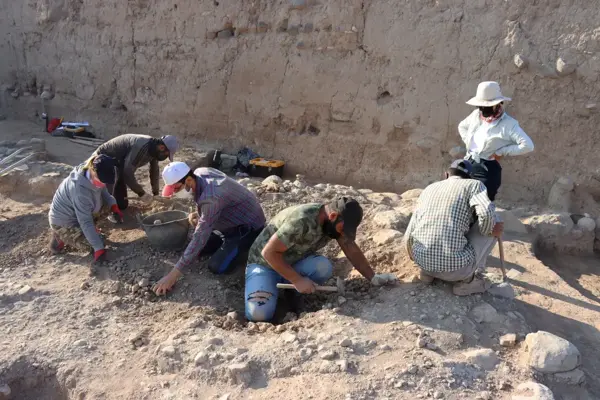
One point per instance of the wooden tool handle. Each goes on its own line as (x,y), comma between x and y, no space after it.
(321,288)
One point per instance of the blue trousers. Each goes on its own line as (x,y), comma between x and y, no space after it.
(261,285)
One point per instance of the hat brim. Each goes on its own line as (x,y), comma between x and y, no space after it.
(487,103)
(350,233)
(170,156)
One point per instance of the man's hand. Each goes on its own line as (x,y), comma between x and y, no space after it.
(193,219)
(383,279)
(146,198)
(498,229)
(305,285)
(167,282)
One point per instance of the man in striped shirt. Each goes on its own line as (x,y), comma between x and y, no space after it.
(132,152)
(453,229)
(229,219)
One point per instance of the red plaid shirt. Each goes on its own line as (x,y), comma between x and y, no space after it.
(222,204)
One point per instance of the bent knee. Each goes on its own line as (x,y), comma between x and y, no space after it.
(260,306)
(323,268)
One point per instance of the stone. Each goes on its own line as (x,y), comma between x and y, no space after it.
(226,396)
(549,353)
(508,340)
(559,198)
(485,313)
(388,219)
(225,34)
(457,152)
(411,194)
(575,377)
(329,355)
(144,282)
(216,341)
(504,290)
(25,289)
(421,342)
(22,143)
(169,350)
(328,367)
(532,391)
(200,358)
(273,179)
(484,358)
(438,395)
(306,353)
(343,365)
(386,236)
(520,61)
(80,343)
(240,373)
(564,67)
(346,342)
(234,315)
(341,300)
(385,347)
(288,337)
(5,392)
(586,224)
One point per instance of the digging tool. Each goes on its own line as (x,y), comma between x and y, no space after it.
(501,251)
(88,144)
(340,287)
(13,155)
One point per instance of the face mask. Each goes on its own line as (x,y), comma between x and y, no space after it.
(487,112)
(329,228)
(162,156)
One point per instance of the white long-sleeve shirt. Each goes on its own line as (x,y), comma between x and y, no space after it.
(503,137)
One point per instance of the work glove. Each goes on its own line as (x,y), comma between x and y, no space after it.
(99,256)
(383,279)
(146,198)
(116,213)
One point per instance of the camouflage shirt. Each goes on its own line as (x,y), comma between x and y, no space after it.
(298,228)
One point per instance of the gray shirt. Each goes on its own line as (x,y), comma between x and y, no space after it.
(132,152)
(74,203)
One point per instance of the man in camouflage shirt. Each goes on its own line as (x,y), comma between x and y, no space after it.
(285,252)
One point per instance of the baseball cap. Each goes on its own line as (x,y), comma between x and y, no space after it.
(174,172)
(351,213)
(463,166)
(170,142)
(105,168)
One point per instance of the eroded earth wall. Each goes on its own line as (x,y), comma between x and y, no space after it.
(367,92)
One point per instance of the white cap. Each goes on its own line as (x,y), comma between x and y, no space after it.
(174,172)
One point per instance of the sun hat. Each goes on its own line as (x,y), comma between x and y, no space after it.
(105,168)
(170,142)
(463,166)
(488,95)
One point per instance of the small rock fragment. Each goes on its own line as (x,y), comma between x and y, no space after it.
(485,313)
(484,358)
(508,340)
(504,290)
(564,68)
(532,391)
(288,337)
(144,282)
(215,341)
(438,395)
(168,350)
(549,353)
(520,61)
(329,355)
(201,358)
(25,289)
(346,342)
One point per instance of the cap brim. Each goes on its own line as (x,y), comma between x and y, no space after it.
(486,103)
(350,233)
(170,156)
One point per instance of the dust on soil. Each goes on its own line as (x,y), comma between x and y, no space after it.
(75,336)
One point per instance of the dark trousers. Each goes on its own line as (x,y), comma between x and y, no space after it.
(229,249)
(119,191)
(489,172)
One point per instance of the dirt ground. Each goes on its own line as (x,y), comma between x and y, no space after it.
(74,336)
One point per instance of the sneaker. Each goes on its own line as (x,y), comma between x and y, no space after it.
(423,277)
(478,284)
(56,245)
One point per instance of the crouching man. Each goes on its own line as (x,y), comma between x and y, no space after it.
(78,202)
(453,230)
(285,252)
(229,219)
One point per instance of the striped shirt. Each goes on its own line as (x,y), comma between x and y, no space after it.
(223,204)
(436,234)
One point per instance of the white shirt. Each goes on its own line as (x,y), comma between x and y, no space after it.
(503,137)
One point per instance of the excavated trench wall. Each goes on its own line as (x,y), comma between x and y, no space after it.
(366,92)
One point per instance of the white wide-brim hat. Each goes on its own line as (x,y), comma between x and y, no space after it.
(488,95)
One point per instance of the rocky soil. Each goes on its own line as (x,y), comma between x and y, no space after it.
(68,335)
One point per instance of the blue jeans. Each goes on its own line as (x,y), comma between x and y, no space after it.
(261,285)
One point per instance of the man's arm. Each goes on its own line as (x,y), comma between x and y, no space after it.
(523,143)
(210,210)
(154,175)
(484,209)
(83,211)
(356,257)
(407,240)
(463,130)
(129,175)
(273,253)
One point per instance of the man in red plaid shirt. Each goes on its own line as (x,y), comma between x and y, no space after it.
(229,219)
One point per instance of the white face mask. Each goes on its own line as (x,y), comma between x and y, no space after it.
(183,194)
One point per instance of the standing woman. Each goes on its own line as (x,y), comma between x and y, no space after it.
(76,203)
(490,134)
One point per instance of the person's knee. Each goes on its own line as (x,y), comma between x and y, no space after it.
(323,269)
(260,306)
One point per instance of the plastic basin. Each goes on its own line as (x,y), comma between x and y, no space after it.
(172,231)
